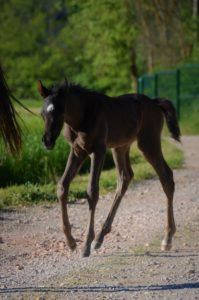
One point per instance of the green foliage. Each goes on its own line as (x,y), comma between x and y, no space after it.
(106,38)
(92,42)
(35,163)
(28,29)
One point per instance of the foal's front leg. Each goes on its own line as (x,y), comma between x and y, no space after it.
(125,174)
(97,160)
(74,162)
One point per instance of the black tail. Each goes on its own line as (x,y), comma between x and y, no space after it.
(171,118)
(10,130)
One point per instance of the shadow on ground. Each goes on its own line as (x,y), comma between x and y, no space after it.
(101,289)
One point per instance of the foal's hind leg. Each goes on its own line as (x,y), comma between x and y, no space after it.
(152,152)
(125,174)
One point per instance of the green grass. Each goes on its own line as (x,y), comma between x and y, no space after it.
(29,193)
(189,120)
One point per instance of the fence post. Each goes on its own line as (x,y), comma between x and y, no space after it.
(156,85)
(178,93)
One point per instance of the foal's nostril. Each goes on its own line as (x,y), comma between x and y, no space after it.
(47,142)
(44,140)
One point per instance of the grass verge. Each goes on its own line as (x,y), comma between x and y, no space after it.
(29,193)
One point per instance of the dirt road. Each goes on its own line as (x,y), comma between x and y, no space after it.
(36,263)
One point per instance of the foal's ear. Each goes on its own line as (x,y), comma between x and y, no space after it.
(44,92)
(66,84)
(66,81)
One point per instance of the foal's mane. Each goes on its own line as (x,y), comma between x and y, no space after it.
(76,89)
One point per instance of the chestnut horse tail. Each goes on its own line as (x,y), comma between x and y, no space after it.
(10,130)
(169,112)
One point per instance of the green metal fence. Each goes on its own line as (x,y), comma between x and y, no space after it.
(180,85)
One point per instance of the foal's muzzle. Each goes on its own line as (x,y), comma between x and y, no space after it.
(48,142)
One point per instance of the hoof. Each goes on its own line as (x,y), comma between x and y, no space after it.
(86,253)
(97,245)
(165,247)
(72,244)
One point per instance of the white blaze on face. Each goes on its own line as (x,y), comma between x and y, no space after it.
(50,107)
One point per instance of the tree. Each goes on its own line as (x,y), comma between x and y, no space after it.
(102,44)
(167,31)
(104,36)
(28,31)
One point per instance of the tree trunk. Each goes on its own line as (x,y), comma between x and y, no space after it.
(134,72)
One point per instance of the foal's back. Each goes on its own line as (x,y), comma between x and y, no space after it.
(127,116)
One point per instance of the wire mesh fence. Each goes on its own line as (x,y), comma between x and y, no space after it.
(180,85)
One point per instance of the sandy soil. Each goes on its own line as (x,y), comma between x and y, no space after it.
(36,263)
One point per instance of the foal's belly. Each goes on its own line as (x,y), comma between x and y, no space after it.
(122,130)
(123,116)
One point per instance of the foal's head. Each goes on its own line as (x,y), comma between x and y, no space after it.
(52,112)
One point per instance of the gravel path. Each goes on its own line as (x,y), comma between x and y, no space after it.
(36,263)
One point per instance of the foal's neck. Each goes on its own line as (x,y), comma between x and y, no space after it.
(74,111)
